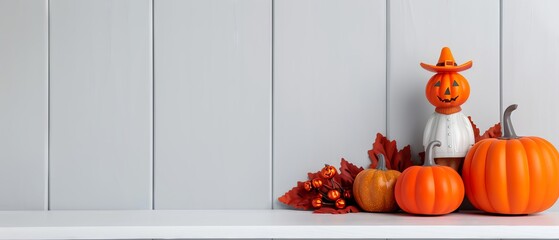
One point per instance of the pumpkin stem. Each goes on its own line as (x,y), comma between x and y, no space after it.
(381,164)
(508,130)
(429,160)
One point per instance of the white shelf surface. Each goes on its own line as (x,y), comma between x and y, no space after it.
(174,224)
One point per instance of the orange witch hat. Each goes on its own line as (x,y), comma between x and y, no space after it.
(446,63)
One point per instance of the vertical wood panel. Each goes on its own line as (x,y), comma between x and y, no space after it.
(212,104)
(23,104)
(418,31)
(530,52)
(329,85)
(101,104)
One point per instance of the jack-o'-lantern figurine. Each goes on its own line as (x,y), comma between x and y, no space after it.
(447,90)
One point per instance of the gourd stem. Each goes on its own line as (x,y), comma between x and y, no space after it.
(381,164)
(429,160)
(508,130)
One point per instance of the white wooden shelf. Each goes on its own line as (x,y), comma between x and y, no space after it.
(171,224)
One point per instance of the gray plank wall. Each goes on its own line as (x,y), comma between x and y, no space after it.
(100,104)
(207,104)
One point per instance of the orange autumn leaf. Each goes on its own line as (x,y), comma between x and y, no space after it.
(395,160)
(348,172)
(298,197)
(492,132)
(331,210)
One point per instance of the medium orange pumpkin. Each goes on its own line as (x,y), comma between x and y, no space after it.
(511,174)
(373,189)
(447,89)
(429,189)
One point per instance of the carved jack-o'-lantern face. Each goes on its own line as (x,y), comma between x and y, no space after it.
(447,89)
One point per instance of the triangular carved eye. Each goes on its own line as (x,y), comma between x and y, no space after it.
(438,84)
(455,84)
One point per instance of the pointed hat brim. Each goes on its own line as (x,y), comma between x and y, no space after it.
(434,68)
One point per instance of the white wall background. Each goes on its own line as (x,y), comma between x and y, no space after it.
(224,104)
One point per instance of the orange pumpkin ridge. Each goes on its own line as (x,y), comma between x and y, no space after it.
(536,173)
(496,183)
(552,190)
(512,174)
(402,190)
(478,178)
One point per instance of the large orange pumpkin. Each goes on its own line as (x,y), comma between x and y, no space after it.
(373,189)
(429,189)
(512,175)
(447,89)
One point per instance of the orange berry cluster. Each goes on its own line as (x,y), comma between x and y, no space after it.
(329,191)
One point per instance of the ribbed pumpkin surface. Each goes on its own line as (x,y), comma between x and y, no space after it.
(429,190)
(512,176)
(373,190)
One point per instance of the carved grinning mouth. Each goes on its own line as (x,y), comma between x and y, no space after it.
(448,100)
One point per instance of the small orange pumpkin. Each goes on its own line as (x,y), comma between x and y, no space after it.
(328,172)
(429,189)
(373,189)
(511,174)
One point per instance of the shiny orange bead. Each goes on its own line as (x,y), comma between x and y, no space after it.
(334,194)
(308,185)
(347,194)
(317,202)
(317,182)
(340,203)
(328,172)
